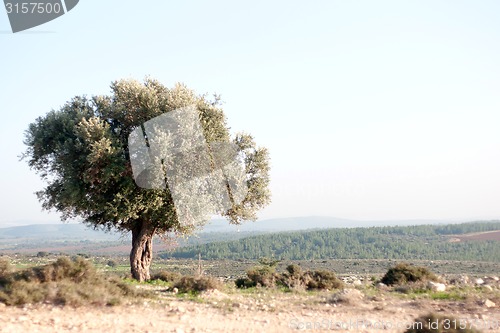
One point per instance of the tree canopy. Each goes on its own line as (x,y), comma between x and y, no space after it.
(82,152)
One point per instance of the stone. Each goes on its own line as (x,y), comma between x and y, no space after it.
(434,286)
(487,287)
(479,281)
(489,304)
(489,280)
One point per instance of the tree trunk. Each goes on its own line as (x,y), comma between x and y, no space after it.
(142,251)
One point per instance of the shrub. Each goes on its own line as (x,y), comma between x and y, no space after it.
(294,271)
(42,254)
(404,273)
(4,266)
(76,270)
(189,284)
(264,276)
(65,282)
(166,276)
(293,277)
(111,263)
(268,262)
(432,323)
(244,283)
(323,280)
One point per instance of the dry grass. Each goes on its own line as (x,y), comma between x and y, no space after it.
(64,282)
(166,276)
(189,284)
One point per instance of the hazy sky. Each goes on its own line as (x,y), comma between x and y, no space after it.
(370,109)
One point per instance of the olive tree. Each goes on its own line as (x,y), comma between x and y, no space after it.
(82,153)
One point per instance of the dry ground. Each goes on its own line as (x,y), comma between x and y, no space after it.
(479,236)
(255,311)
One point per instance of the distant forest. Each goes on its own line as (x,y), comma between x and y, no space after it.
(429,242)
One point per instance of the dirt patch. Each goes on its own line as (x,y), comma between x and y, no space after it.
(260,311)
(478,236)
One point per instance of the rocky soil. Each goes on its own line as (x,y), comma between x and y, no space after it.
(358,308)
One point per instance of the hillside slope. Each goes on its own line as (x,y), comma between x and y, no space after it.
(433,242)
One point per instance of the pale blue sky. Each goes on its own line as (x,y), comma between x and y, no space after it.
(370,109)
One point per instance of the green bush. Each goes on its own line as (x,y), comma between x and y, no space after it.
(166,276)
(264,276)
(433,323)
(65,282)
(111,263)
(404,273)
(244,283)
(189,284)
(323,280)
(268,262)
(76,270)
(293,278)
(42,254)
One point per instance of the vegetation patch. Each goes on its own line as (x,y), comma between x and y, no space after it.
(293,278)
(190,284)
(166,276)
(263,275)
(323,279)
(404,273)
(422,242)
(63,282)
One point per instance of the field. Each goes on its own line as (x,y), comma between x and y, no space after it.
(228,311)
(361,307)
(471,295)
(231,269)
(479,236)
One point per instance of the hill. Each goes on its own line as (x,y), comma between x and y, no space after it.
(57,231)
(78,238)
(307,223)
(77,231)
(432,242)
